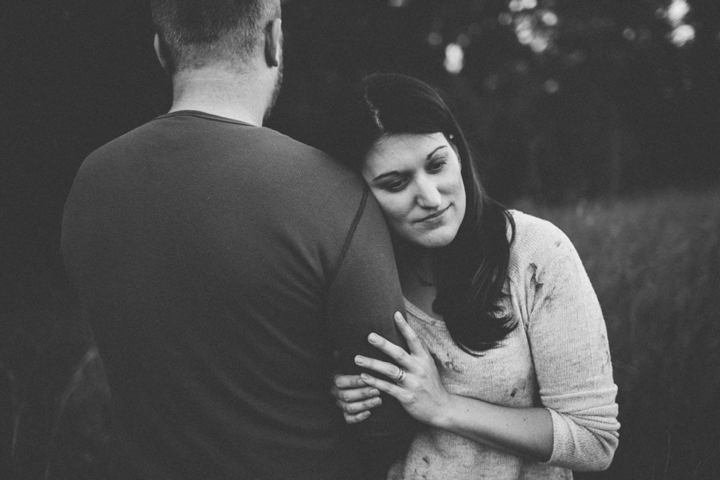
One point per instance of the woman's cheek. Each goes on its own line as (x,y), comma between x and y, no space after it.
(396,212)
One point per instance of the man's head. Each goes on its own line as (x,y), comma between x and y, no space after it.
(195,34)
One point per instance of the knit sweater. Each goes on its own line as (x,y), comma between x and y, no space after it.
(557,358)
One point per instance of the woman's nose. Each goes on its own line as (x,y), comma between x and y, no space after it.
(428,195)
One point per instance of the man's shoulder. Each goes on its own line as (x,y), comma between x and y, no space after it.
(308,166)
(278,141)
(123,142)
(194,134)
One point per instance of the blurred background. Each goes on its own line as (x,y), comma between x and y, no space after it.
(602,116)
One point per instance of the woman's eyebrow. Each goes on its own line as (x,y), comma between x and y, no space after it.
(395,172)
(429,156)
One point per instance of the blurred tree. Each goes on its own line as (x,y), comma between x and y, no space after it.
(561,98)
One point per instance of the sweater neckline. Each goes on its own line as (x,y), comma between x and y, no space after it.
(418,313)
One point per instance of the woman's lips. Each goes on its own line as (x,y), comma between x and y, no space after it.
(434,216)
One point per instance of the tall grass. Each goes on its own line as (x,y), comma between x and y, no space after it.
(655,265)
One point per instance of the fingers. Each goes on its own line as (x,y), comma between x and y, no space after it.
(388,369)
(354,397)
(385,386)
(350,419)
(393,351)
(348,381)
(356,408)
(355,394)
(401,357)
(414,342)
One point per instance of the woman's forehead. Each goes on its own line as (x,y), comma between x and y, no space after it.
(403,148)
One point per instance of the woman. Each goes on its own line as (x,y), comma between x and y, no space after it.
(509,367)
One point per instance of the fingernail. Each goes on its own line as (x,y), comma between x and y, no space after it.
(359,360)
(365,415)
(372,338)
(374,392)
(375,402)
(398,316)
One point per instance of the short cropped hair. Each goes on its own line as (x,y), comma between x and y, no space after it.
(197,33)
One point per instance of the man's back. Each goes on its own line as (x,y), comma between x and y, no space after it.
(220,265)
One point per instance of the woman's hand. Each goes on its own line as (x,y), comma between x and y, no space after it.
(354,397)
(517,431)
(419,389)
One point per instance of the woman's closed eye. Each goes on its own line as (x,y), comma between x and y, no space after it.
(437,165)
(395,185)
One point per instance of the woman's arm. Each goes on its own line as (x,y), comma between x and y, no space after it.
(520,431)
(526,432)
(570,350)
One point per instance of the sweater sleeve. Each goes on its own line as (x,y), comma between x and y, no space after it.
(570,350)
(364,295)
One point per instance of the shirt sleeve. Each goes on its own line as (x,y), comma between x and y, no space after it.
(364,295)
(570,350)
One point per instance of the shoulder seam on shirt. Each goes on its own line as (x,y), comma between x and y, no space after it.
(350,235)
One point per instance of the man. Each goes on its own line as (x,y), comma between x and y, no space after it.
(228,270)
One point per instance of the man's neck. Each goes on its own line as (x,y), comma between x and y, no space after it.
(239,96)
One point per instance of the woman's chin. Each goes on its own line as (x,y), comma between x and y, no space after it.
(435,239)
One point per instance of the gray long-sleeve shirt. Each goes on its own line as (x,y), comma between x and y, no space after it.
(222,266)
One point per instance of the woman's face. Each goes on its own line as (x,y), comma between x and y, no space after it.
(416,179)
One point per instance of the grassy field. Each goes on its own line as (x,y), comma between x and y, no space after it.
(655,265)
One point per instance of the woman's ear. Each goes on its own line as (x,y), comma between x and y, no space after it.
(451,140)
(273,43)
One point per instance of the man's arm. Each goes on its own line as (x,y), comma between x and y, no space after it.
(364,295)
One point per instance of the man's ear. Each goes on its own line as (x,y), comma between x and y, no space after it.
(273,43)
(161,51)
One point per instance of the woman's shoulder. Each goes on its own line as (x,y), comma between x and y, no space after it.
(537,238)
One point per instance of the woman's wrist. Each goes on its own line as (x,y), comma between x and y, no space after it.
(447,413)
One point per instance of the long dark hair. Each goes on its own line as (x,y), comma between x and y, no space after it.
(471,271)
